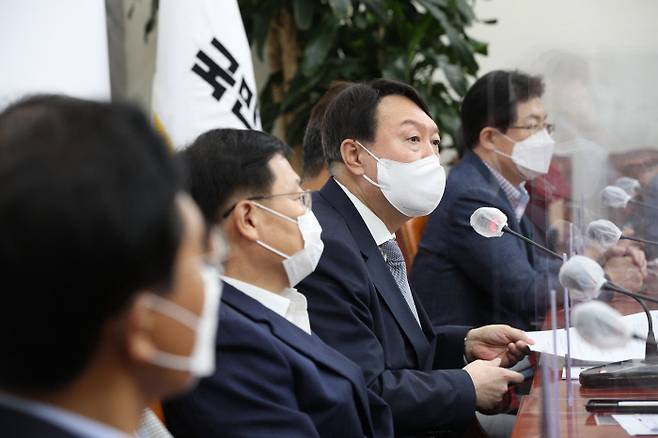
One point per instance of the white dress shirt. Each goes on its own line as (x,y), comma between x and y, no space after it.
(377,228)
(290,304)
(62,418)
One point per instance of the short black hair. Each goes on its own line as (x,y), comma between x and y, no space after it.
(492,101)
(87,195)
(352,114)
(224,163)
(314,161)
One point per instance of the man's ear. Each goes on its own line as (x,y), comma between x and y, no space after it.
(245,218)
(487,135)
(137,330)
(350,151)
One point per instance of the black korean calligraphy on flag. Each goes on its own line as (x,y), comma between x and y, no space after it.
(204,77)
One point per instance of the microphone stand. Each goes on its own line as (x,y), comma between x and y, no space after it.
(531,242)
(637,239)
(642,204)
(651,349)
(633,372)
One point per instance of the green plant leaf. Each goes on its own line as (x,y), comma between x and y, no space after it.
(378,8)
(465,10)
(398,39)
(342,8)
(455,77)
(303,13)
(433,9)
(478,46)
(318,47)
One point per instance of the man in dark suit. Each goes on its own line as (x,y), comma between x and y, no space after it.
(497,280)
(491,280)
(275,377)
(382,150)
(100,256)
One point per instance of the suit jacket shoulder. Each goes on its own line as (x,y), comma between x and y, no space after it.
(273,379)
(20,424)
(494,280)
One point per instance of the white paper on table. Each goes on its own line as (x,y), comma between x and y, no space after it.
(582,350)
(638,424)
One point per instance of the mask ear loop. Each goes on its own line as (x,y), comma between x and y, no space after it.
(366,177)
(274,250)
(497,152)
(172,310)
(274,212)
(282,216)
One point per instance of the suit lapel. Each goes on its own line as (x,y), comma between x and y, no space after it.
(379,272)
(308,345)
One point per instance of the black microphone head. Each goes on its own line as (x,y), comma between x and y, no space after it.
(600,325)
(615,197)
(488,221)
(583,277)
(603,233)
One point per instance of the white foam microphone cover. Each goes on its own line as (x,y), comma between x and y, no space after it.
(488,221)
(583,277)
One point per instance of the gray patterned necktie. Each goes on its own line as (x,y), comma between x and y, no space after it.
(395,262)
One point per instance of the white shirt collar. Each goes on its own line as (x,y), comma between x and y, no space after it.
(377,228)
(62,418)
(290,304)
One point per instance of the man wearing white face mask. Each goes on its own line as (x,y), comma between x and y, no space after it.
(275,377)
(108,303)
(381,146)
(507,142)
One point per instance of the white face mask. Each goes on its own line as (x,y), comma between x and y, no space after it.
(302,263)
(201,363)
(532,156)
(414,189)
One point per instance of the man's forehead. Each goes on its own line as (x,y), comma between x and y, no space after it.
(533,108)
(396,111)
(284,174)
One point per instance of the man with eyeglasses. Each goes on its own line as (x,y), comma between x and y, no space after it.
(274,377)
(507,142)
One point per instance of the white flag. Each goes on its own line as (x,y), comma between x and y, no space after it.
(204,78)
(53,47)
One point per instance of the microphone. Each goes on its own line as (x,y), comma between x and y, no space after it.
(607,234)
(491,222)
(585,278)
(583,274)
(629,185)
(616,197)
(602,326)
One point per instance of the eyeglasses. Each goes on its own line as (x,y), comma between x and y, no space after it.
(549,127)
(304,198)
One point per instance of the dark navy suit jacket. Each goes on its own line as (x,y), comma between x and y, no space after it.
(464,278)
(272,379)
(17,424)
(357,308)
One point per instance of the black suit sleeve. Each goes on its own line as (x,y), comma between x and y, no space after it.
(250,393)
(343,306)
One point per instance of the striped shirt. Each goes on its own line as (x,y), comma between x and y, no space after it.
(517,195)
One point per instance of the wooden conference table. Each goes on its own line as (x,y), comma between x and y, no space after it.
(574,420)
